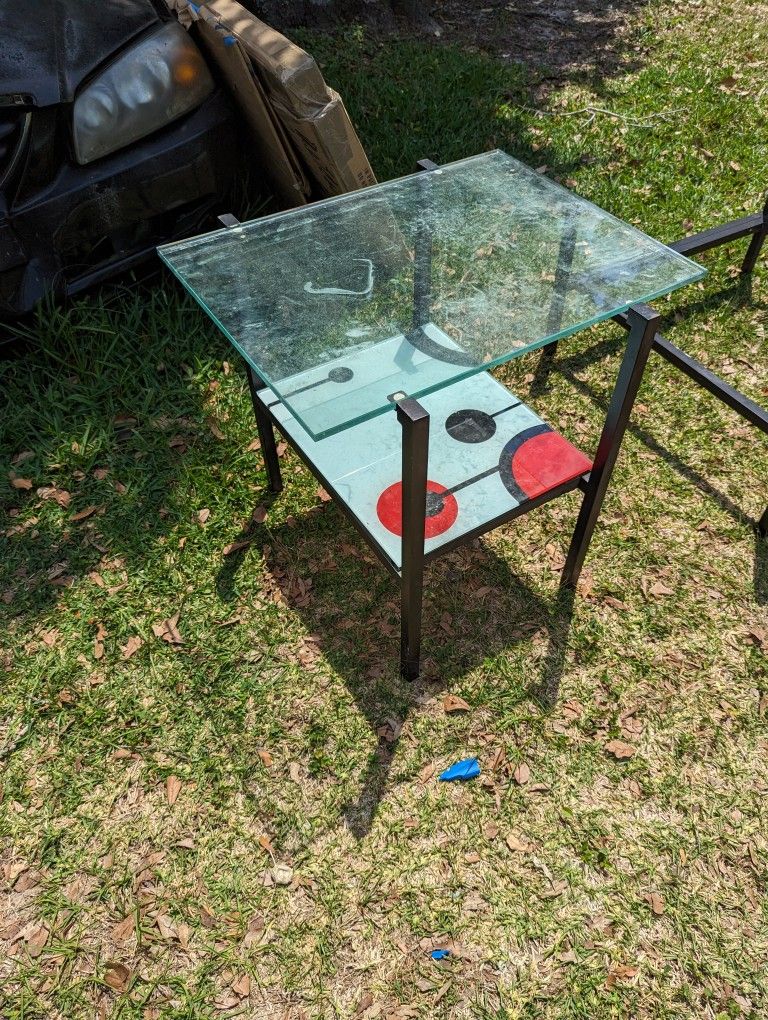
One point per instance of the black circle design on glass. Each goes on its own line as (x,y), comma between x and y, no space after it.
(419,339)
(470,426)
(338,375)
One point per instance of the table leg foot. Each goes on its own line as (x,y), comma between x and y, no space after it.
(271,461)
(411,599)
(409,668)
(410,625)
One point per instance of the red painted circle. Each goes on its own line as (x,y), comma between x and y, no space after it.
(545,461)
(390,510)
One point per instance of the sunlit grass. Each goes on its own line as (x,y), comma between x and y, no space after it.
(280,714)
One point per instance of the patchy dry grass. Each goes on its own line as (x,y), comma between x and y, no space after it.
(149,788)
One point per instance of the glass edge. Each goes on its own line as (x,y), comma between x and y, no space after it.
(323,203)
(259,371)
(606,214)
(319,434)
(333,430)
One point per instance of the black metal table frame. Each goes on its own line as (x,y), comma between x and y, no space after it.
(642,323)
(755,227)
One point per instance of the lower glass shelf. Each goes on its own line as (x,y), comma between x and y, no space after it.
(488,454)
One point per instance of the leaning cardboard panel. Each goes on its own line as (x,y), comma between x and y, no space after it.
(313,116)
(271,142)
(290,74)
(330,147)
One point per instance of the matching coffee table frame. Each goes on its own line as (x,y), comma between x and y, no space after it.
(755,227)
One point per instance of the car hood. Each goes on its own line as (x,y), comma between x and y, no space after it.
(49,48)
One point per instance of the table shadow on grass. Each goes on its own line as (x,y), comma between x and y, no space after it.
(354,616)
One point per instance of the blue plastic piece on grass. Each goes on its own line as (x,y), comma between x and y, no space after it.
(440,954)
(467,769)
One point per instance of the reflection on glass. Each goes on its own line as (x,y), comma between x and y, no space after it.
(408,286)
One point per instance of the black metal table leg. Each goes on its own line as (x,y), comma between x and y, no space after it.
(415,424)
(422,253)
(266,433)
(560,290)
(755,245)
(643,323)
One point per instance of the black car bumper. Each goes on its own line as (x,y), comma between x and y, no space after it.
(88,222)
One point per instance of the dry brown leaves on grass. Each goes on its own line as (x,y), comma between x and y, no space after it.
(518,844)
(234,547)
(453,703)
(172,789)
(60,496)
(117,976)
(620,750)
(620,972)
(132,645)
(168,630)
(98,642)
(656,902)
(83,515)
(124,929)
(24,484)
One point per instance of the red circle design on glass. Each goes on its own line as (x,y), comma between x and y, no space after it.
(537,460)
(441,512)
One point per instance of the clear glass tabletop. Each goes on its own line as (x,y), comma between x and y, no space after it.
(409,286)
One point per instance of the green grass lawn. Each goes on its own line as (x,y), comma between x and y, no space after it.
(150,788)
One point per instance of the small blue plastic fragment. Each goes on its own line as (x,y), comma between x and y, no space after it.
(195,7)
(467,769)
(229,40)
(440,954)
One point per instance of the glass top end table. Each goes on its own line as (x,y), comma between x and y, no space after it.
(368,323)
(410,286)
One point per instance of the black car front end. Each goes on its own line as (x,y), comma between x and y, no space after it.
(71,217)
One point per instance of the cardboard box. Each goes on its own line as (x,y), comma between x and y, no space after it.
(289,73)
(313,115)
(277,157)
(330,147)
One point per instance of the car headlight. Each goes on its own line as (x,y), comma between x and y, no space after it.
(160,78)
